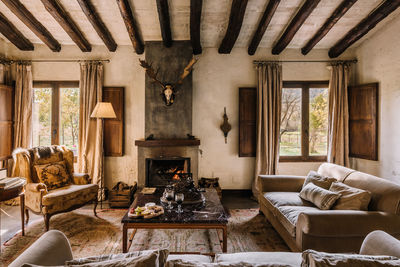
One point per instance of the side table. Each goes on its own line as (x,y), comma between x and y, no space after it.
(13,191)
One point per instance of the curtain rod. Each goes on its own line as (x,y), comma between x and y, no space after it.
(7,61)
(304,61)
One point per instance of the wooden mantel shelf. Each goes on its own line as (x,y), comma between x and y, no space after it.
(167,142)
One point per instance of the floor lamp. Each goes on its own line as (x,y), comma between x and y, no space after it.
(103,110)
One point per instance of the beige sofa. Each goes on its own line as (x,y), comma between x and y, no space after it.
(53,249)
(303,226)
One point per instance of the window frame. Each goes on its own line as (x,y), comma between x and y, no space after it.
(55,104)
(305,120)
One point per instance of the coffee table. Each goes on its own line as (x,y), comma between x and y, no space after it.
(211,216)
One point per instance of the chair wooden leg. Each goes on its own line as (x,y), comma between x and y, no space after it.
(95,206)
(27,216)
(47,221)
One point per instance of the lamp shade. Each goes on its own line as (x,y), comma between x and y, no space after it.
(103,110)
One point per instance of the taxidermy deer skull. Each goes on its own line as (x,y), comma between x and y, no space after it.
(168,90)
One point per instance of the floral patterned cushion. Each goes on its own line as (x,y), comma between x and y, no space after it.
(53,175)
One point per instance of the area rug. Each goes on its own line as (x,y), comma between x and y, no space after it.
(90,235)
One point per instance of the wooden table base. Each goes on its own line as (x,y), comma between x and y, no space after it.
(126,244)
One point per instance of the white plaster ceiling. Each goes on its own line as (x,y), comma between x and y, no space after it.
(215,16)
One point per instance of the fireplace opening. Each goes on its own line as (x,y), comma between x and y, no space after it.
(161,172)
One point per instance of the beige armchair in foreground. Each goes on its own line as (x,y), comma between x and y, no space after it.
(52,186)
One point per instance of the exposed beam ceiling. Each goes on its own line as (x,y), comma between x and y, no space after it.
(163,17)
(130,24)
(301,16)
(195,22)
(367,24)
(61,16)
(97,24)
(328,25)
(33,24)
(263,25)
(235,24)
(14,35)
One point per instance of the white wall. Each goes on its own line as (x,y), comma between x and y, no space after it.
(379,61)
(216,80)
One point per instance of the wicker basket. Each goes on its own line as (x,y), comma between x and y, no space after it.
(121,196)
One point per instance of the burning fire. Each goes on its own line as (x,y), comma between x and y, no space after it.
(176,176)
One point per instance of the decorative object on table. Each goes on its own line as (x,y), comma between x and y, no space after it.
(121,195)
(211,183)
(148,190)
(169,90)
(169,195)
(147,212)
(103,110)
(150,137)
(179,197)
(185,185)
(225,126)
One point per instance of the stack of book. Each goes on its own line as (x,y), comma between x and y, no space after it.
(8,182)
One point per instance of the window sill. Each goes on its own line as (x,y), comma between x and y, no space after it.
(302,159)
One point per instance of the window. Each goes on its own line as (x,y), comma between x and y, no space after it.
(56,114)
(304,121)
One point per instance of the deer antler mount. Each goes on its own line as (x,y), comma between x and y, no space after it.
(169,90)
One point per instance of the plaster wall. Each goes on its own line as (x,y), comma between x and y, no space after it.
(216,79)
(379,61)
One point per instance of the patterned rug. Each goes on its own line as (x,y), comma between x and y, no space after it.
(90,235)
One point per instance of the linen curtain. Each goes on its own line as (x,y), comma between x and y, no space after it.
(338,116)
(269,90)
(23,106)
(90,158)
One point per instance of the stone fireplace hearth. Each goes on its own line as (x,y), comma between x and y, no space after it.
(166,150)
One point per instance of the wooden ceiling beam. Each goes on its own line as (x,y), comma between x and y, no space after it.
(367,24)
(58,12)
(33,24)
(328,25)
(97,23)
(129,20)
(163,17)
(235,24)
(195,22)
(263,25)
(301,16)
(14,35)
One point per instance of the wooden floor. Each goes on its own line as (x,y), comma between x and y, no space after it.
(10,220)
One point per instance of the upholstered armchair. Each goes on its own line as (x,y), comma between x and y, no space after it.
(52,186)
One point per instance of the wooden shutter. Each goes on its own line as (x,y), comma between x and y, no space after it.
(363,121)
(247,122)
(6,121)
(114,128)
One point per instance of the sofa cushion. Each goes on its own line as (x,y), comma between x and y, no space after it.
(145,260)
(323,259)
(320,197)
(319,180)
(351,198)
(279,258)
(278,199)
(181,263)
(385,194)
(288,215)
(53,175)
(338,172)
(190,257)
(63,198)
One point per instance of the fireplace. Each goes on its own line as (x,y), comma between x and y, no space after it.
(161,171)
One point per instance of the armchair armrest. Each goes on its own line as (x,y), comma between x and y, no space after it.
(34,193)
(81,178)
(346,223)
(280,183)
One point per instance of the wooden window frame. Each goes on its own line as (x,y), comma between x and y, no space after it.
(305,122)
(55,104)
